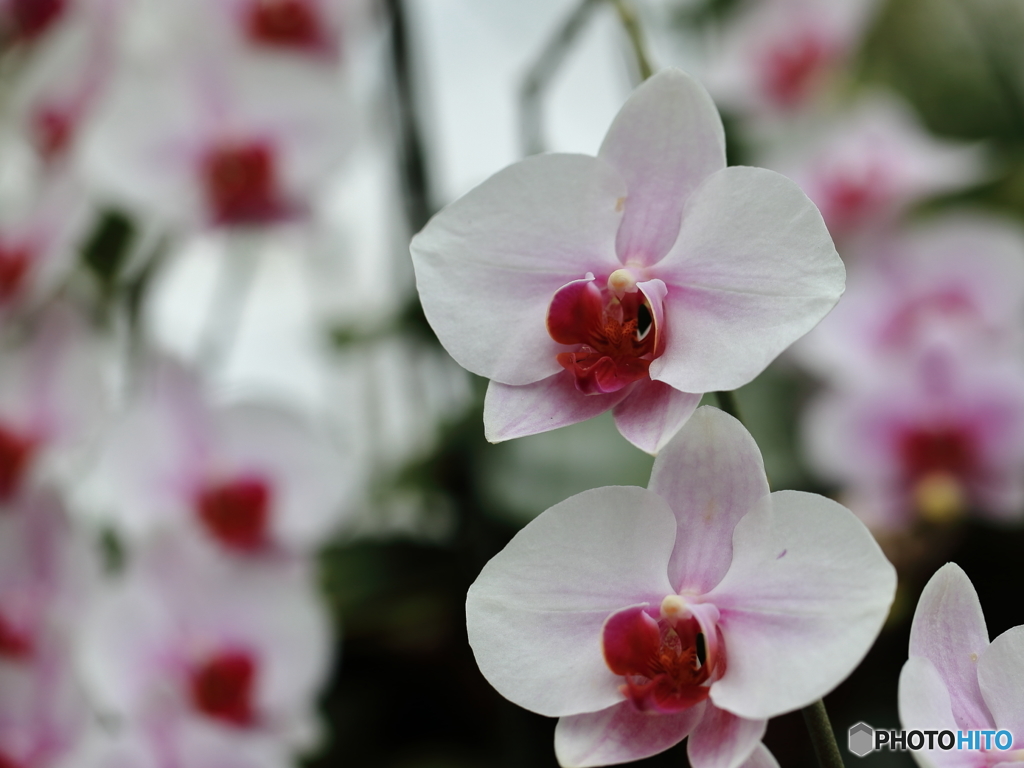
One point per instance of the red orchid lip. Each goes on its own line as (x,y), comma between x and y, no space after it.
(664,661)
(616,332)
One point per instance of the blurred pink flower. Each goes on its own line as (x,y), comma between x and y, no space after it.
(958,280)
(39,235)
(186,634)
(873,163)
(231,142)
(254,479)
(47,574)
(937,437)
(632,281)
(701,606)
(956,680)
(52,404)
(778,55)
(57,88)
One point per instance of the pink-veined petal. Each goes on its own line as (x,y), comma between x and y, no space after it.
(761,757)
(722,740)
(1000,676)
(949,630)
(803,601)
(620,734)
(711,474)
(753,270)
(517,411)
(924,705)
(536,612)
(653,413)
(488,265)
(665,141)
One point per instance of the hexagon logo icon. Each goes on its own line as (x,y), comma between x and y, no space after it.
(861,739)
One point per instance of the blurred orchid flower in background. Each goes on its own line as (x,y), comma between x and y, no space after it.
(185,634)
(937,438)
(252,478)
(48,573)
(633,281)
(956,280)
(701,606)
(873,161)
(53,404)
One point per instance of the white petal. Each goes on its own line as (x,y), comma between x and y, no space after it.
(488,265)
(535,612)
(620,734)
(802,603)
(949,630)
(1001,677)
(753,270)
(711,474)
(665,141)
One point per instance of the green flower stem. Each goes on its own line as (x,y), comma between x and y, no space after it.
(822,737)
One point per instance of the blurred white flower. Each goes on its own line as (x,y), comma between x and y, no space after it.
(229,142)
(187,634)
(871,162)
(53,403)
(254,479)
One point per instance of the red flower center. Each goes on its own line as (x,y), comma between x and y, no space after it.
(663,661)
(241,184)
(946,450)
(616,334)
(6,761)
(222,687)
(51,131)
(14,264)
(284,23)
(788,70)
(14,644)
(32,17)
(237,512)
(15,456)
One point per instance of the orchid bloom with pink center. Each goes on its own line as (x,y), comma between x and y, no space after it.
(54,94)
(958,280)
(188,635)
(631,281)
(700,607)
(956,680)
(872,163)
(779,55)
(52,404)
(232,142)
(253,479)
(936,438)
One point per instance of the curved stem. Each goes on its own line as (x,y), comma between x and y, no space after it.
(630,23)
(822,737)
